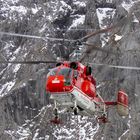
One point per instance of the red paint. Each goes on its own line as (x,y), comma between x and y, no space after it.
(123,98)
(56,83)
(64,79)
(111,103)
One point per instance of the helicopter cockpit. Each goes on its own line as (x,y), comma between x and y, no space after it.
(66,72)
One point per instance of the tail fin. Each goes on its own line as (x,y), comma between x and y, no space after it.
(122,103)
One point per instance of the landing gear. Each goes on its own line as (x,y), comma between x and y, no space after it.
(56,119)
(103,118)
(55,112)
(75,109)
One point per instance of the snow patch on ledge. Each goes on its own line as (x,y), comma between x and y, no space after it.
(81,4)
(6,88)
(127,5)
(103,13)
(117,37)
(78,21)
(125,133)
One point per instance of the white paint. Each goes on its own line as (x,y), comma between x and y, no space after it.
(55,81)
(83,100)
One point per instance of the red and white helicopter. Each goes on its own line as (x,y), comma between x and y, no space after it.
(72,86)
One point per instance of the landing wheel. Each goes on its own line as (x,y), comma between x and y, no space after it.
(56,119)
(55,111)
(75,110)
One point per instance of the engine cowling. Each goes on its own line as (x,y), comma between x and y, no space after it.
(122,103)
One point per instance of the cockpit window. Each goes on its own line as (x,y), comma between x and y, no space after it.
(52,72)
(65,71)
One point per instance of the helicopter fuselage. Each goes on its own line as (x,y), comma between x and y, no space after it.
(71,88)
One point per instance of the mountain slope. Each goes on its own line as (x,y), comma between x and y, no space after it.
(25,108)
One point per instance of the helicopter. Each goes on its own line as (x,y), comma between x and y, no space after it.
(71,84)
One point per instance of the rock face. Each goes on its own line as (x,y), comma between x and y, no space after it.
(25,108)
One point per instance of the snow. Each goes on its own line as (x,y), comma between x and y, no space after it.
(16,68)
(135,20)
(127,5)
(22,133)
(34,10)
(36,134)
(47,137)
(13,69)
(104,39)
(49,17)
(13,1)
(117,37)
(103,13)
(9,132)
(78,21)
(136,95)
(123,134)
(6,88)
(129,120)
(79,3)
(82,127)
(45,26)
(64,4)
(20,9)
(82,133)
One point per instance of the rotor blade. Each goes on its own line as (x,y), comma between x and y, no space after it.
(26,62)
(118,67)
(21,35)
(121,22)
(97,32)
(59,39)
(92,46)
(116,79)
(36,37)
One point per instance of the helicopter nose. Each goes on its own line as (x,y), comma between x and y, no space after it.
(55,83)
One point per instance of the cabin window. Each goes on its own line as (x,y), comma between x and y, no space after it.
(52,72)
(75,74)
(66,72)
